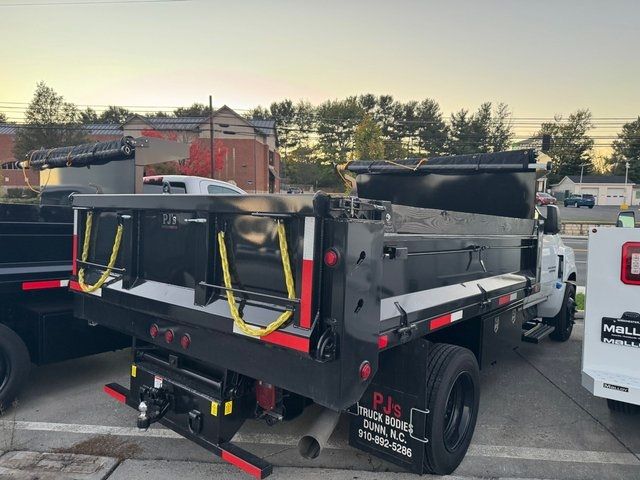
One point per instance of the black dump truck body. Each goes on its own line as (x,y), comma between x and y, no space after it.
(36,312)
(374,285)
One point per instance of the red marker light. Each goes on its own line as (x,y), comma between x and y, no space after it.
(331,258)
(185,341)
(383,341)
(168,336)
(154,330)
(365,370)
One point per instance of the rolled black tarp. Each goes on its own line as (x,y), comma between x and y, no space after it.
(87,154)
(513,160)
(489,183)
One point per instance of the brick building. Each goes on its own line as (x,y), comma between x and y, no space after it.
(244,150)
(9,175)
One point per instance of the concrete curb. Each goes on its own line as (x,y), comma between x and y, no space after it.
(574,237)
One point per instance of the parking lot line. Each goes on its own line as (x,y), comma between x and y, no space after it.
(490,451)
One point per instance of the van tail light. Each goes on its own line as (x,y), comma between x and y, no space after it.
(630,271)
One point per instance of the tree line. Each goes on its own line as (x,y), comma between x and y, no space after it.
(313,138)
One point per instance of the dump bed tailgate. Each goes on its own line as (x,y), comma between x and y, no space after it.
(169,275)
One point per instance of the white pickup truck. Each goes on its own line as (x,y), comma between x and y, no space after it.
(552,310)
(189,184)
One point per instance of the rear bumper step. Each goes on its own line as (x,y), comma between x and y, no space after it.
(245,461)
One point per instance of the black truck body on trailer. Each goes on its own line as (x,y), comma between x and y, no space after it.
(36,308)
(392,308)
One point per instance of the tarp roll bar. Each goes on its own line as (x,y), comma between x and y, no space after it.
(510,161)
(87,154)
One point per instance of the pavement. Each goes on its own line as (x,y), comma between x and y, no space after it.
(599,213)
(535,422)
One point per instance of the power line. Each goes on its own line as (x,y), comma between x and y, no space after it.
(153,108)
(87,3)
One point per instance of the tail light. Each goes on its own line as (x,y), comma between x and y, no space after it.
(630,271)
(154,330)
(331,258)
(185,341)
(365,370)
(265,395)
(168,336)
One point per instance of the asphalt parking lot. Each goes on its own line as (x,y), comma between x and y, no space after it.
(579,246)
(599,213)
(536,421)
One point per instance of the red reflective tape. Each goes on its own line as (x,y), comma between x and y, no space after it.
(41,285)
(287,340)
(73,285)
(306,297)
(440,321)
(383,341)
(121,397)
(74,253)
(241,464)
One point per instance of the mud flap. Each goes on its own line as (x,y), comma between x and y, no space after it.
(390,419)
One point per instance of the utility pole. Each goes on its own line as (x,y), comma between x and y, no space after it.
(626,179)
(582,174)
(213,175)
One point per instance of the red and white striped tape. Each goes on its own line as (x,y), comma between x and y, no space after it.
(505,299)
(44,284)
(445,320)
(306,294)
(74,248)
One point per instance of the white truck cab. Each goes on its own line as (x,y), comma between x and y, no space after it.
(611,348)
(551,311)
(187,184)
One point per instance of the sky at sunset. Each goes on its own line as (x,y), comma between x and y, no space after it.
(541,57)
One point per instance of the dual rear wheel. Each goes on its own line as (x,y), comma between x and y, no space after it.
(453,395)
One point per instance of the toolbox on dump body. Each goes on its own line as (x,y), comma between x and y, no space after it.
(257,306)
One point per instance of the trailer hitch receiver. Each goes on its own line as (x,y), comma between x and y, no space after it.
(154,404)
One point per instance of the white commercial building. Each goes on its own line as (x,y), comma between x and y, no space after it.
(607,189)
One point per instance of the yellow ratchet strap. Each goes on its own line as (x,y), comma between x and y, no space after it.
(231,299)
(85,255)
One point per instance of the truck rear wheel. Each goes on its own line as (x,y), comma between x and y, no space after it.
(453,394)
(565,318)
(14,365)
(622,407)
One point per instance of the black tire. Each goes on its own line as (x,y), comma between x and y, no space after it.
(566,317)
(15,364)
(623,407)
(590,206)
(453,396)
